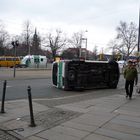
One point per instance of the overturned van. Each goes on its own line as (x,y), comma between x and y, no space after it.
(80,74)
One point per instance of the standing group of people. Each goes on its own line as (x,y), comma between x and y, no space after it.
(131,78)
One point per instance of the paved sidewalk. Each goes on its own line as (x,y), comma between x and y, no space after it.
(106,118)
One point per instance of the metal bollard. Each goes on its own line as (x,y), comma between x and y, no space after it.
(3,96)
(32,123)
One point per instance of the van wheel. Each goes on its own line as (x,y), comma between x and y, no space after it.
(71,75)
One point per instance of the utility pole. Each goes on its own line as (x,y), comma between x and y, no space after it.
(86,50)
(85,46)
(80,47)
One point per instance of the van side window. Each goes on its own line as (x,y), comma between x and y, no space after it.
(36,60)
(41,59)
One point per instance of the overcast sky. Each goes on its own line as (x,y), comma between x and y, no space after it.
(99,17)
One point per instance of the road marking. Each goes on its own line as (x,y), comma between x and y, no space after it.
(8,86)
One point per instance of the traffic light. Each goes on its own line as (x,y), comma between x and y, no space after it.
(15,43)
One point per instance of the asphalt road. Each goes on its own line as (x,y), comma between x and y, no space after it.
(41,85)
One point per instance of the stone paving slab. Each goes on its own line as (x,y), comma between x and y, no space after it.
(73,108)
(126,122)
(130,111)
(96,120)
(79,126)
(99,112)
(28,131)
(129,118)
(131,107)
(122,128)
(35,138)
(85,104)
(70,131)
(98,137)
(65,131)
(117,135)
(53,135)
(24,104)
(105,104)
(4,118)
(101,109)
(17,109)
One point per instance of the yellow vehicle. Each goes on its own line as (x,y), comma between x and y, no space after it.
(9,61)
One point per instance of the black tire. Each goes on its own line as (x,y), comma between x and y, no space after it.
(71,75)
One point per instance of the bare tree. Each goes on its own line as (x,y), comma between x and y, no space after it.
(27,33)
(4,38)
(113,46)
(95,52)
(75,42)
(126,38)
(55,42)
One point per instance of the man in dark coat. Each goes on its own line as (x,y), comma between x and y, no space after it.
(131,76)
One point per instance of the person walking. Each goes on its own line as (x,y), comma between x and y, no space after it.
(131,78)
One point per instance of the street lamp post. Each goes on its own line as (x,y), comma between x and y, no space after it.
(15,44)
(86,50)
(80,47)
(85,47)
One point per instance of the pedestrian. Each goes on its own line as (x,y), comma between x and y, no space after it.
(131,78)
